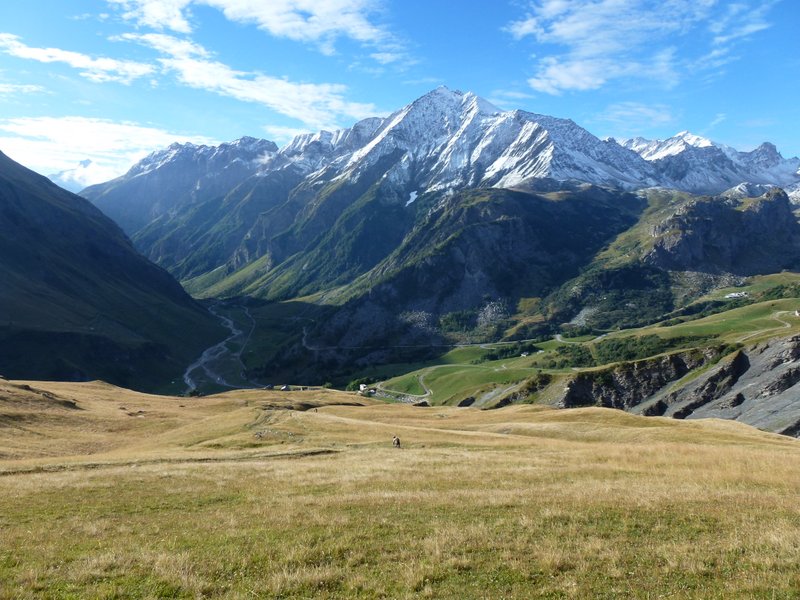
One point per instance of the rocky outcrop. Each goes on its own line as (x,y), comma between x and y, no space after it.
(743,236)
(627,385)
(759,386)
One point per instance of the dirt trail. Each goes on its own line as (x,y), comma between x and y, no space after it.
(775,317)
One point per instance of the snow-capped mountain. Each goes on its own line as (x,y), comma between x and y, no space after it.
(448,140)
(248,151)
(169,181)
(206,212)
(696,164)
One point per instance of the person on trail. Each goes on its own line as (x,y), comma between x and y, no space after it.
(396,442)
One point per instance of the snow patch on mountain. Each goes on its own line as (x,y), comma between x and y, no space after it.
(247,150)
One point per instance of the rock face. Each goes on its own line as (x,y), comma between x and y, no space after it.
(626,385)
(743,237)
(759,385)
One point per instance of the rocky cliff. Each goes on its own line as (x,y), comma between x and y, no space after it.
(757,385)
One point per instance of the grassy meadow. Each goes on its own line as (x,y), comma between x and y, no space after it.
(106,493)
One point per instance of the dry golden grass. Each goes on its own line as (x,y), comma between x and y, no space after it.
(237,496)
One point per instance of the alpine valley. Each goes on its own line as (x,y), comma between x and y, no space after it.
(515,253)
(78,302)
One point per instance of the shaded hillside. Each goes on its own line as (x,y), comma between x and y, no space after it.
(78,302)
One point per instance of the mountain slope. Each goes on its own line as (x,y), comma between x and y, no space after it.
(681,247)
(78,301)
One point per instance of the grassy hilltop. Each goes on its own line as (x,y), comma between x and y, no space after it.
(110,493)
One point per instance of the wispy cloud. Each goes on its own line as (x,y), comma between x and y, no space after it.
(761,122)
(8,89)
(282,135)
(737,23)
(95,69)
(508,99)
(629,118)
(319,22)
(51,144)
(596,42)
(156,14)
(317,105)
(740,20)
(718,119)
(432,81)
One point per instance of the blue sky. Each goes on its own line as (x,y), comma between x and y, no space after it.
(112,80)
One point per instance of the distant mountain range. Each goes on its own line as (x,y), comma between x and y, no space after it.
(451,211)
(695,164)
(78,302)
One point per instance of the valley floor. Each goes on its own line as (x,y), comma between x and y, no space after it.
(111,493)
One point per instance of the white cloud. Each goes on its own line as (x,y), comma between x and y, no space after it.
(606,40)
(736,24)
(630,118)
(95,69)
(9,89)
(282,135)
(508,99)
(386,58)
(718,119)
(83,175)
(320,22)
(317,105)
(49,145)
(156,14)
(740,20)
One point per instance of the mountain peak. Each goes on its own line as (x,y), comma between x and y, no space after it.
(659,149)
(444,96)
(693,140)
